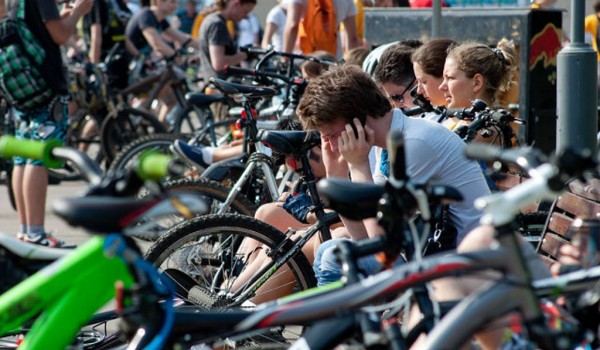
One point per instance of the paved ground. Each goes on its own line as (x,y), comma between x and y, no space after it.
(9,222)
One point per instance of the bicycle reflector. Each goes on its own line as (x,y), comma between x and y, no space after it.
(245,115)
(291,162)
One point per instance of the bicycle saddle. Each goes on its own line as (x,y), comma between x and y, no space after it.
(246,90)
(353,200)
(203,100)
(294,143)
(101,214)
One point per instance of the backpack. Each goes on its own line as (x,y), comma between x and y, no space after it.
(21,58)
(319,28)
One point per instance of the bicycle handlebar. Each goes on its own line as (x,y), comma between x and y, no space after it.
(270,51)
(260,74)
(395,146)
(526,158)
(547,179)
(155,166)
(52,154)
(11,147)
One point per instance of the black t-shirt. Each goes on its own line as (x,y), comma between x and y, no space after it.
(143,19)
(37,13)
(112,15)
(213,31)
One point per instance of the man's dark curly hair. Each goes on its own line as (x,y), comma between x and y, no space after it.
(395,65)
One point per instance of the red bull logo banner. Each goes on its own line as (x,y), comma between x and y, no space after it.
(544,47)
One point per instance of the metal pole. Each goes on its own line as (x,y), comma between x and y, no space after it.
(577,88)
(436,18)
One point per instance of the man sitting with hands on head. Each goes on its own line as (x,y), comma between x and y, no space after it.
(433,154)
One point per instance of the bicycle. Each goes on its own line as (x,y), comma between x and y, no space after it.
(208,248)
(73,288)
(336,305)
(123,123)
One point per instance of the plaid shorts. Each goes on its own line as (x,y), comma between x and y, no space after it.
(41,125)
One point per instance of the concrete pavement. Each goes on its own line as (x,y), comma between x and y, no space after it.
(9,222)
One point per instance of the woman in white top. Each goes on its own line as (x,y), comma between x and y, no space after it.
(273,34)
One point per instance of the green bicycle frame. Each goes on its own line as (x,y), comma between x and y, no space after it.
(68,293)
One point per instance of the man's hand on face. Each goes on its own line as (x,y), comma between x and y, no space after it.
(335,165)
(355,146)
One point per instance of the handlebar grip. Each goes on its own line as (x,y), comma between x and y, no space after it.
(239,71)
(155,166)
(38,150)
(253,49)
(411,112)
(483,152)
(397,157)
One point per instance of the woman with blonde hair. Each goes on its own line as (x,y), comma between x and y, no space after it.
(477,71)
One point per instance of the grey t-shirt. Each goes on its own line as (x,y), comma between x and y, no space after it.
(435,155)
(213,31)
(143,19)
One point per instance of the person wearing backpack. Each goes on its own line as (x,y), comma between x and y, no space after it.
(316,23)
(40,105)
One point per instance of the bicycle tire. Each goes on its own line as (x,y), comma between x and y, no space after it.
(77,124)
(126,126)
(189,120)
(214,193)
(221,236)
(159,142)
(231,224)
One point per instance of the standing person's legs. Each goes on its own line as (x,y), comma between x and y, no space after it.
(17,187)
(31,179)
(35,187)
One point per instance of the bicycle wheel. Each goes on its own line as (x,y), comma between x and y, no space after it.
(126,126)
(214,250)
(212,191)
(189,120)
(84,134)
(129,153)
(215,193)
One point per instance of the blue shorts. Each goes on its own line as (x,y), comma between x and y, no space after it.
(328,270)
(41,125)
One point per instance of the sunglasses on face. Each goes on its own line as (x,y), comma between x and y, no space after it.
(399,98)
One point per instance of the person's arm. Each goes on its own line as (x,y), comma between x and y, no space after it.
(157,43)
(292,24)
(255,25)
(352,39)
(270,29)
(219,60)
(61,29)
(133,51)
(181,37)
(95,43)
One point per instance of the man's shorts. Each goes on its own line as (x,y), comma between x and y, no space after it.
(41,125)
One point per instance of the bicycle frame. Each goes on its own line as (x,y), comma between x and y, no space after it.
(69,291)
(260,277)
(169,76)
